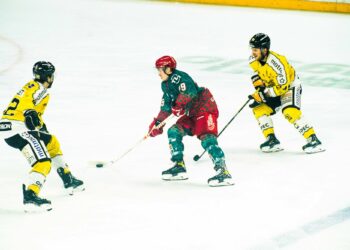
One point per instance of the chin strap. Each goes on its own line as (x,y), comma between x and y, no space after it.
(263,57)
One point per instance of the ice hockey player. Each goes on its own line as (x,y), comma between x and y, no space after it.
(197,112)
(278,87)
(23,128)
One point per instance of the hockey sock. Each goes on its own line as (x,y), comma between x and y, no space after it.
(35,182)
(266,125)
(210,144)
(304,128)
(58,162)
(175,135)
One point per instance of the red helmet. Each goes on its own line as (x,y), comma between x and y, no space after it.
(166,61)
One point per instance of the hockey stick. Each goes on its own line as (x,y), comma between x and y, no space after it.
(100,164)
(197,157)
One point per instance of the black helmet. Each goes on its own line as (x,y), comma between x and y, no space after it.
(261,41)
(42,70)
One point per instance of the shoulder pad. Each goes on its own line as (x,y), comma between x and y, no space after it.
(31,84)
(251,59)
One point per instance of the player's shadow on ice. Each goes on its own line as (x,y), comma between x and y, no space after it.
(257,152)
(8,211)
(183,184)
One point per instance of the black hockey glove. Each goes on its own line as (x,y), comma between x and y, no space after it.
(44,129)
(254,104)
(32,119)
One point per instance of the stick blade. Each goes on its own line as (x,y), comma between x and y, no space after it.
(196,158)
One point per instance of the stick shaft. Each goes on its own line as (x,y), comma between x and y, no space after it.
(142,139)
(245,104)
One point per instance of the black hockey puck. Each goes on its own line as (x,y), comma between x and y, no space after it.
(99,165)
(196,158)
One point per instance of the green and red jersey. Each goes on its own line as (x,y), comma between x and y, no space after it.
(180,90)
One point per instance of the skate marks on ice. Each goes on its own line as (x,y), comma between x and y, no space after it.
(15,211)
(312,74)
(249,152)
(291,237)
(174,185)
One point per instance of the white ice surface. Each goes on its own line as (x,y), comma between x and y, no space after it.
(107,92)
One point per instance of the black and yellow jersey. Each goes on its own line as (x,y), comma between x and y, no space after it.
(32,96)
(276,73)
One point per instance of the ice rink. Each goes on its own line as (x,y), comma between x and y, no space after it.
(107,92)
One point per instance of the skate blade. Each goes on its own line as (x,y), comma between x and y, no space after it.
(271,150)
(216,183)
(314,150)
(179,177)
(31,208)
(72,191)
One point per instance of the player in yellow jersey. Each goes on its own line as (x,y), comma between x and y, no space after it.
(278,88)
(23,128)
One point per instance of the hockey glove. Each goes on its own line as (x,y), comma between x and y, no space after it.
(44,129)
(155,131)
(177,111)
(257,82)
(32,119)
(258,97)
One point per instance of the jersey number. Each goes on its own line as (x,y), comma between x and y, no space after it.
(182,87)
(8,111)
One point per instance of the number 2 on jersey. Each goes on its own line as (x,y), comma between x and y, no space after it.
(8,111)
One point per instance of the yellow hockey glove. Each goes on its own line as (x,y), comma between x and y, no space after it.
(257,82)
(258,96)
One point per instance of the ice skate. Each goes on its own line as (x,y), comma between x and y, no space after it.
(222,177)
(177,172)
(272,144)
(313,145)
(33,203)
(71,184)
